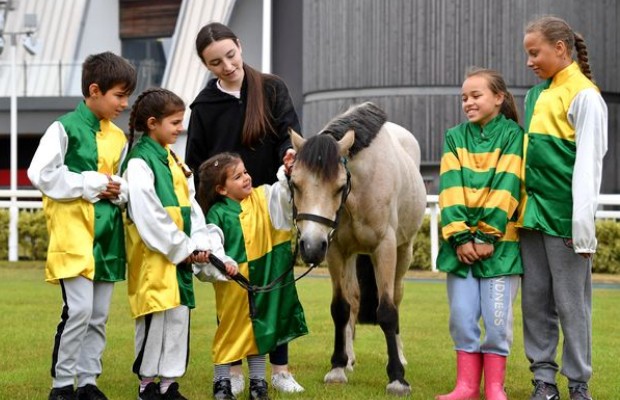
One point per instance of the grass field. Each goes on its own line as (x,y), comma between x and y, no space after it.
(30,309)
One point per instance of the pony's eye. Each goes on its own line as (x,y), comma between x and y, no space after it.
(339,190)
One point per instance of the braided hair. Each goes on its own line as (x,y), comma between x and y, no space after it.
(555,29)
(157,103)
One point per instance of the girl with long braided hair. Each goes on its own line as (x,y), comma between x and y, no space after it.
(166,233)
(565,142)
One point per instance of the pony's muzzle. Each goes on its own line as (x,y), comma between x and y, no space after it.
(313,251)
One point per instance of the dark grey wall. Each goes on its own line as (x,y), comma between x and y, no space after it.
(409,56)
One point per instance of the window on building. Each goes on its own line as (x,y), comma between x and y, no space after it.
(146,28)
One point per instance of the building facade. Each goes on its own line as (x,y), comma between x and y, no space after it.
(408,56)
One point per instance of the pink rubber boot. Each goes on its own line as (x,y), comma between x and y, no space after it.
(494,374)
(468,373)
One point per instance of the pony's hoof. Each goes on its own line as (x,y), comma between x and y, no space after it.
(336,375)
(397,388)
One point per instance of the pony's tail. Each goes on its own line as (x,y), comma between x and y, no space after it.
(369,300)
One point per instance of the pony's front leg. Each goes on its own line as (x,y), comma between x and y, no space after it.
(340,310)
(384,261)
(403,261)
(388,321)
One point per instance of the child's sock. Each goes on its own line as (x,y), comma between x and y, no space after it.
(144,382)
(222,371)
(164,384)
(257,366)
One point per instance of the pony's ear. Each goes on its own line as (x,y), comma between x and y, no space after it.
(346,142)
(296,139)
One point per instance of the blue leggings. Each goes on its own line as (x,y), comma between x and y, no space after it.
(488,298)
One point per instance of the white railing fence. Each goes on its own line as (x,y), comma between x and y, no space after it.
(31,199)
(432,209)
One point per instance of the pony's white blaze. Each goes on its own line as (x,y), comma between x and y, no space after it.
(314,237)
(379,218)
(317,197)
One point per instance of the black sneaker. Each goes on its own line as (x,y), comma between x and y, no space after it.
(580,392)
(90,392)
(222,390)
(173,393)
(544,391)
(63,393)
(150,392)
(258,389)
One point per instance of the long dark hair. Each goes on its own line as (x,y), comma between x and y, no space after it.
(213,173)
(258,116)
(498,86)
(555,29)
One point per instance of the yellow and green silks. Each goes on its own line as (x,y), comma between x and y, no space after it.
(86,239)
(263,253)
(154,282)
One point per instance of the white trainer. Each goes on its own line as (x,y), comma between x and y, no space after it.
(284,382)
(237,383)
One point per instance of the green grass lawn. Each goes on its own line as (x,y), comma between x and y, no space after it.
(30,309)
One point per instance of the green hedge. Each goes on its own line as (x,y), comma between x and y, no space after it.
(607,259)
(33,242)
(33,236)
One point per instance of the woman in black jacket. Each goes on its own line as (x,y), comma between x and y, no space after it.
(240,110)
(244,111)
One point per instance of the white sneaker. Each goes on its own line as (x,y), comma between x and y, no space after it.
(237,382)
(284,382)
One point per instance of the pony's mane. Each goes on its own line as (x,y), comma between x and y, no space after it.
(321,154)
(365,119)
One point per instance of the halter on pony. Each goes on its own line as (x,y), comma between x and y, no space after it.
(318,218)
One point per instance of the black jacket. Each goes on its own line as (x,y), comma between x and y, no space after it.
(216,123)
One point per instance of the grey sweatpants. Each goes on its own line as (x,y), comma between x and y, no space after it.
(556,291)
(80,336)
(162,343)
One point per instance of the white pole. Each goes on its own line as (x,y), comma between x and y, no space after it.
(266,38)
(434,235)
(13,214)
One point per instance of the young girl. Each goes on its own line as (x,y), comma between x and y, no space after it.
(479,192)
(565,142)
(257,231)
(165,233)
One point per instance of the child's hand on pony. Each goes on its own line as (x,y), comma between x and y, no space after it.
(288,160)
